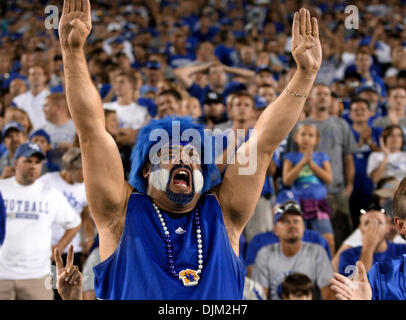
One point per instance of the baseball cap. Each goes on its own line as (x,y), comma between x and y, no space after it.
(41,132)
(213,97)
(366,88)
(288,207)
(263,68)
(29,149)
(387,189)
(11,125)
(153,65)
(72,159)
(260,102)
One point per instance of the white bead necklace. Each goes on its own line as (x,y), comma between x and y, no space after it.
(189,277)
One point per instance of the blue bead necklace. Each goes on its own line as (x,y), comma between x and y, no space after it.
(189,277)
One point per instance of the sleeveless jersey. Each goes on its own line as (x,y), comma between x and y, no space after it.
(139,267)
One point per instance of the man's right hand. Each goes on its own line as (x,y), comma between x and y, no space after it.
(358,289)
(75,24)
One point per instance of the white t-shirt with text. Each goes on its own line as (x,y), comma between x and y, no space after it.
(76,196)
(31,211)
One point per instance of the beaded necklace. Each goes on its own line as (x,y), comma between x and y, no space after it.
(189,277)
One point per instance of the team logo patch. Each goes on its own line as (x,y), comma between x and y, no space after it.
(189,277)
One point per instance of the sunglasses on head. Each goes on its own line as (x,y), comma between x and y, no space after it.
(289,206)
(373,207)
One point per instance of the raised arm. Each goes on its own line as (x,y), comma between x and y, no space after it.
(272,127)
(184,74)
(106,188)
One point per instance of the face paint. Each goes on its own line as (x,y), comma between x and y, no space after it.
(198,180)
(159,178)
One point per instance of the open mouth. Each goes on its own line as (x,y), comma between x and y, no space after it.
(182,177)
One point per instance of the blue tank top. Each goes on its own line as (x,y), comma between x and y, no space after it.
(139,268)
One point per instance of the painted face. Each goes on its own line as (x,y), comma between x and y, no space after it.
(177,172)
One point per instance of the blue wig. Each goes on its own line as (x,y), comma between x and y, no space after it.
(173,126)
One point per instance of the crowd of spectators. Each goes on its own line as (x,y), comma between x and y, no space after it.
(222,62)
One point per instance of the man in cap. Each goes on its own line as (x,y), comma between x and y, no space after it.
(153,74)
(291,255)
(42,138)
(31,208)
(267,238)
(13,135)
(214,110)
(264,76)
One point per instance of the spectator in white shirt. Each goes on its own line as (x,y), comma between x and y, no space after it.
(33,100)
(131,116)
(391,161)
(58,123)
(31,208)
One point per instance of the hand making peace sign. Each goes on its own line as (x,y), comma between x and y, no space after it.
(69,278)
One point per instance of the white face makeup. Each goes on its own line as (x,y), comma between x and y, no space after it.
(159,179)
(198,180)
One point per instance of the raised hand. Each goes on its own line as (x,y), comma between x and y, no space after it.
(75,24)
(69,278)
(306,48)
(357,289)
(384,148)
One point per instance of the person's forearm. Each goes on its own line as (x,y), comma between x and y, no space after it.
(281,115)
(184,74)
(290,175)
(84,101)
(245,73)
(379,172)
(367,256)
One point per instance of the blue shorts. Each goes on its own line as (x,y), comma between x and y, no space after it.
(320,226)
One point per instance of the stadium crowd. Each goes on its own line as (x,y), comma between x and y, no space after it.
(327,199)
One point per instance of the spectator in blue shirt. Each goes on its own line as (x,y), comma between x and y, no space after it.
(225,50)
(2,220)
(367,138)
(180,52)
(385,279)
(216,77)
(363,65)
(154,75)
(374,246)
(308,172)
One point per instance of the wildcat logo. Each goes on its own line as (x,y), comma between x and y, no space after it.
(189,277)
